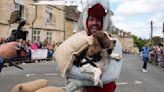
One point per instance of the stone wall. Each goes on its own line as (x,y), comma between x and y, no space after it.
(56,27)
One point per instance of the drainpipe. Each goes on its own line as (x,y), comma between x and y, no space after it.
(163,28)
(36,10)
(64,23)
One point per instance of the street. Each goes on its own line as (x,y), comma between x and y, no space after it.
(132,79)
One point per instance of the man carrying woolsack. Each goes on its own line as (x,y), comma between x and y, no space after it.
(95,17)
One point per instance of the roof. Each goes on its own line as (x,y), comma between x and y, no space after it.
(72,13)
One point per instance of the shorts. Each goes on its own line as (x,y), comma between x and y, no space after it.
(145,59)
(110,87)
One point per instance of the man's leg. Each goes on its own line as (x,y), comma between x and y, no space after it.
(92,89)
(110,87)
(145,64)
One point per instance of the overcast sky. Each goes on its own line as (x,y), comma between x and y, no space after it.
(135,15)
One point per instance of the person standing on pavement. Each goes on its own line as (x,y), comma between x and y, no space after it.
(145,53)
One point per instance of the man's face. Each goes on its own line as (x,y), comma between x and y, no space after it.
(94,24)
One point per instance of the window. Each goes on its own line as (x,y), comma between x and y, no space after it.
(49,14)
(36,35)
(20,8)
(74,27)
(49,35)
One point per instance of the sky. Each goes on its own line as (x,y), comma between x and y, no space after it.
(135,16)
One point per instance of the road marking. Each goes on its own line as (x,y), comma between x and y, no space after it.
(138,82)
(28,75)
(122,83)
(62,87)
(51,74)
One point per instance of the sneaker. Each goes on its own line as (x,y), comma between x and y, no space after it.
(144,70)
(23,63)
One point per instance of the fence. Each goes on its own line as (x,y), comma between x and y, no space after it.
(30,55)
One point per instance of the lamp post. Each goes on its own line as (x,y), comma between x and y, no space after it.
(163,32)
(36,12)
(64,23)
(151,33)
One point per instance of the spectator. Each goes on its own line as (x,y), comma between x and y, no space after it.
(145,53)
(34,45)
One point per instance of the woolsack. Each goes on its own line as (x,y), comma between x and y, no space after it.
(64,54)
(30,86)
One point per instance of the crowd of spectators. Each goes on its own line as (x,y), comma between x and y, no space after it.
(24,50)
(157,55)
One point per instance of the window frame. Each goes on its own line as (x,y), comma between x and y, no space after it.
(49,15)
(36,35)
(21,8)
(49,36)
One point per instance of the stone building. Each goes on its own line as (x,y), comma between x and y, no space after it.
(126,40)
(72,16)
(43,22)
(54,23)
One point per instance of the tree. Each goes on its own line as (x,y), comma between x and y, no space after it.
(138,42)
(156,40)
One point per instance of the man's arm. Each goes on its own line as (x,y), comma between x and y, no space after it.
(113,68)
(8,50)
(111,73)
